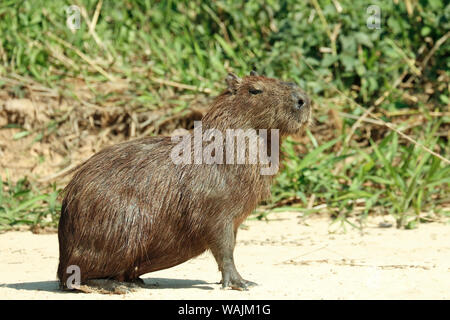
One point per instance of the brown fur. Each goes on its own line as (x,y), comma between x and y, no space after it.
(130,210)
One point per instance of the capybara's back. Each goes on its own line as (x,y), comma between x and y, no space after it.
(130,209)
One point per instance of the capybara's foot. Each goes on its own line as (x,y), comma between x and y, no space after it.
(109,286)
(237,284)
(138,282)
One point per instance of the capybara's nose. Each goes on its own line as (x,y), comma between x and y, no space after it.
(301,100)
(300,103)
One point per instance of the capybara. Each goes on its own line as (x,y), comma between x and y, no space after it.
(131,209)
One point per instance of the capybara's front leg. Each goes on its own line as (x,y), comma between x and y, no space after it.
(222,247)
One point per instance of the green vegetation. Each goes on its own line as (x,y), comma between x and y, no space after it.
(386,178)
(167,57)
(20,204)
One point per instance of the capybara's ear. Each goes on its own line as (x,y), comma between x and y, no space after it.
(254,73)
(233,82)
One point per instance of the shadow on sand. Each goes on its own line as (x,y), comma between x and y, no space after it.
(150,283)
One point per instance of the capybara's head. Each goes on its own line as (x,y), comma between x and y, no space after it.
(263,103)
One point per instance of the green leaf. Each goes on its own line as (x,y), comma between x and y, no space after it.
(20,135)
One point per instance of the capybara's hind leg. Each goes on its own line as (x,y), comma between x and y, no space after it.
(131,278)
(137,281)
(222,248)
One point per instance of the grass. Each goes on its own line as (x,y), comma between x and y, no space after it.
(168,57)
(387,178)
(20,204)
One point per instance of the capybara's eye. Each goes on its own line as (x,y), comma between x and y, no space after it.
(254,91)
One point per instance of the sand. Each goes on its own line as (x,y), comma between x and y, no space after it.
(287,257)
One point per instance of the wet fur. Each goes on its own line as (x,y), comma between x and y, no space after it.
(130,210)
